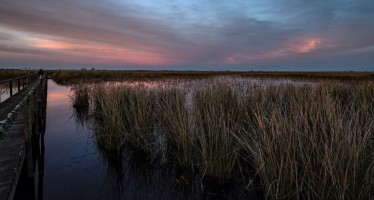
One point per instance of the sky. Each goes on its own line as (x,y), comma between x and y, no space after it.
(261,35)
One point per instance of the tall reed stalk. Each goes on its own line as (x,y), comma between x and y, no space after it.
(109,118)
(138,108)
(175,122)
(218,115)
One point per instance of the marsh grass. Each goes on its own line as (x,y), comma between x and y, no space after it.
(80,96)
(305,141)
(311,142)
(138,108)
(217,118)
(175,120)
(109,121)
(124,114)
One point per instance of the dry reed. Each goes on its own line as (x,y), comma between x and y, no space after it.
(218,116)
(307,141)
(313,142)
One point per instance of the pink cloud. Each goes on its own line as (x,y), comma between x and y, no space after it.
(98,53)
(294,47)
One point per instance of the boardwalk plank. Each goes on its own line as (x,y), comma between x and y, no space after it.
(11,146)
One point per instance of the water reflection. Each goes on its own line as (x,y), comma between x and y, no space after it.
(73,167)
(136,177)
(5,92)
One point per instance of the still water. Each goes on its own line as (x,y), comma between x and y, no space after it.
(73,166)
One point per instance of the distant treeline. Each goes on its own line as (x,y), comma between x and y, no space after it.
(12,73)
(72,76)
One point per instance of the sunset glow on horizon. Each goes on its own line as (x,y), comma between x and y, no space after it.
(202,35)
(100,52)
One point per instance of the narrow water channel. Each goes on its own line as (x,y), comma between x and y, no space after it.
(73,166)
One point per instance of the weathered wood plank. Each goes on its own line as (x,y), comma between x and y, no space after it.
(11,152)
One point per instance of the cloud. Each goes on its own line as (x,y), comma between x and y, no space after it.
(180,33)
(294,47)
(9,49)
(87,24)
(5,36)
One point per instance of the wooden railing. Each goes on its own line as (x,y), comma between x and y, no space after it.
(9,85)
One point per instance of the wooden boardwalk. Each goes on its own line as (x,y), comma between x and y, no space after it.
(12,154)
(16,118)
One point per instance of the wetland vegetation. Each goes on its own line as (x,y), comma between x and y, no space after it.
(75,76)
(280,138)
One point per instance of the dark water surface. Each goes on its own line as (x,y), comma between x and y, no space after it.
(74,167)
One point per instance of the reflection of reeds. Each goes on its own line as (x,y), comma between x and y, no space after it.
(80,97)
(304,141)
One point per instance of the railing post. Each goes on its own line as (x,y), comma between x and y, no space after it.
(28,132)
(19,85)
(10,88)
(26,80)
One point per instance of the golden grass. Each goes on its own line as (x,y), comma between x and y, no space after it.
(306,141)
(109,121)
(218,115)
(124,114)
(138,117)
(313,142)
(174,117)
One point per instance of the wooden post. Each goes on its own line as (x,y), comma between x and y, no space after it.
(19,85)
(41,168)
(28,142)
(10,88)
(42,124)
